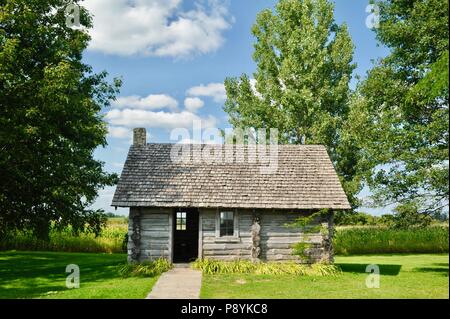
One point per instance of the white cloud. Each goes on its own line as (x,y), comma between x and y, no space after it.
(160,119)
(214,90)
(119,132)
(157,27)
(192,104)
(151,102)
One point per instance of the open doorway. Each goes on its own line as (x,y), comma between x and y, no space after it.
(185,235)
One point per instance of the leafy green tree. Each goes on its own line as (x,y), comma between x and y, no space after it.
(399,117)
(407,216)
(301,85)
(50,122)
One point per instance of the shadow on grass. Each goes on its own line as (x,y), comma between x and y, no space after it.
(30,274)
(385,269)
(438,270)
(440,264)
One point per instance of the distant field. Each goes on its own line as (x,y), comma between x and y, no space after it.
(111,240)
(402,276)
(382,240)
(42,275)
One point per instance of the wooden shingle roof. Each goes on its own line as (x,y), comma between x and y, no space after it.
(305,179)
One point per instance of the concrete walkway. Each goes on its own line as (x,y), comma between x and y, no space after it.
(178,283)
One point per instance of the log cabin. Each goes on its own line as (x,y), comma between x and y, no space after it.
(226,210)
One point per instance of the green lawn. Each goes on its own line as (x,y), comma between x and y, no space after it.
(402,276)
(42,275)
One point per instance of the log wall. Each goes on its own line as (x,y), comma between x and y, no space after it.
(275,238)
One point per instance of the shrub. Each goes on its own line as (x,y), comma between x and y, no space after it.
(209,266)
(355,218)
(145,269)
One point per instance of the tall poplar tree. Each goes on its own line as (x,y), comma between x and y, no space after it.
(301,84)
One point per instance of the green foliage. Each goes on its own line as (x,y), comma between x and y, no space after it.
(383,240)
(262,268)
(112,239)
(308,224)
(304,66)
(407,215)
(50,121)
(145,269)
(399,117)
(355,218)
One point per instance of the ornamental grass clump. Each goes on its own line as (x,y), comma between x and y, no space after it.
(208,266)
(145,269)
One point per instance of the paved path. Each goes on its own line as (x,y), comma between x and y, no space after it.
(178,283)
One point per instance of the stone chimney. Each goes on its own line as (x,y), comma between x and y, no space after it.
(139,136)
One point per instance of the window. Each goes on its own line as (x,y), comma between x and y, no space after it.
(226,224)
(181,221)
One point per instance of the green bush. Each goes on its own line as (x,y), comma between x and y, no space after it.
(145,269)
(378,240)
(209,266)
(355,218)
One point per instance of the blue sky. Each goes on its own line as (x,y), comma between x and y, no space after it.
(173,57)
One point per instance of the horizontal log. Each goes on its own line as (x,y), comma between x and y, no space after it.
(228,258)
(155,253)
(155,228)
(278,251)
(277,246)
(155,247)
(155,235)
(280,257)
(213,239)
(269,234)
(226,252)
(155,216)
(213,246)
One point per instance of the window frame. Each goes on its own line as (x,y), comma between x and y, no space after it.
(181,218)
(228,238)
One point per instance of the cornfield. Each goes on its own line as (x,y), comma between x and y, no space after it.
(111,240)
(379,240)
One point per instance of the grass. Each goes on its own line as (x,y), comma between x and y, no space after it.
(265,268)
(145,269)
(380,240)
(402,276)
(111,240)
(42,275)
